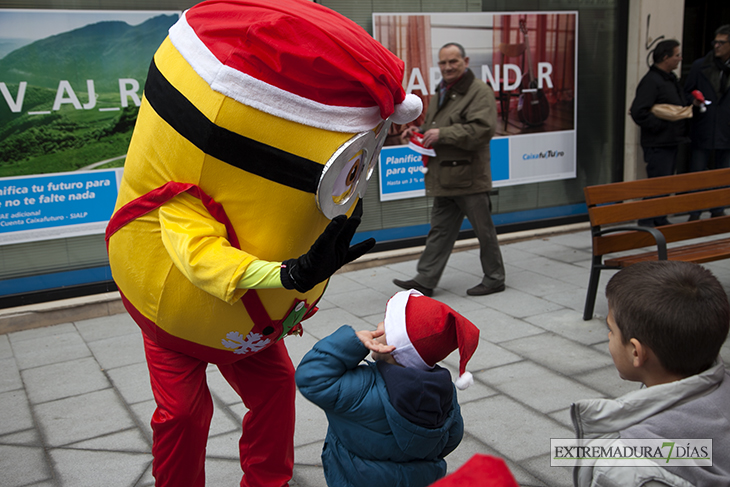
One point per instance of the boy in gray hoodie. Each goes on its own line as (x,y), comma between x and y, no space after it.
(667,321)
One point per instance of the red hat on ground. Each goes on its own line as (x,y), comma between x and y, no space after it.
(425,331)
(297,60)
(480,471)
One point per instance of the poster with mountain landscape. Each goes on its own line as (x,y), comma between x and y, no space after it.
(71,84)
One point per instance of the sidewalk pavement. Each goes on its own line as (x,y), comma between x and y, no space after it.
(76,401)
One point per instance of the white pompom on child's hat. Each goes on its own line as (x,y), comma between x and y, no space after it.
(425,331)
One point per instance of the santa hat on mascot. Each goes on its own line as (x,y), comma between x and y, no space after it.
(297,60)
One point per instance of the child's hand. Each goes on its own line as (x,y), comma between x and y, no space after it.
(368,338)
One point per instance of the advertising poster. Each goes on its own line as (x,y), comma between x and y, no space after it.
(529,59)
(71,84)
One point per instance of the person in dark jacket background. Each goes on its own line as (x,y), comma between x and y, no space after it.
(660,138)
(392,421)
(711,125)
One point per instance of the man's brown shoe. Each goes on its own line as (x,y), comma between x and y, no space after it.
(482,290)
(411,284)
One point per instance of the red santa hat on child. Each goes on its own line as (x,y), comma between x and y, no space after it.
(297,60)
(425,331)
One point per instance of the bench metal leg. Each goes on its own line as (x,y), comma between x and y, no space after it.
(592,287)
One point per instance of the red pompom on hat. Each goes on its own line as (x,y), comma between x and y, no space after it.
(480,471)
(296,60)
(425,331)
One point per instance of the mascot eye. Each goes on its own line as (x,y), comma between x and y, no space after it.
(347,172)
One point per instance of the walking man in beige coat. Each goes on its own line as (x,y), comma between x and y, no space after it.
(460,121)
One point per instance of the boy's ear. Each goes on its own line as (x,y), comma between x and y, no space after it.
(639,353)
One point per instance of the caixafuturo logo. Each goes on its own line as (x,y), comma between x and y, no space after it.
(548,154)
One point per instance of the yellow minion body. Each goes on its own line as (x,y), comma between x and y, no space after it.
(174,262)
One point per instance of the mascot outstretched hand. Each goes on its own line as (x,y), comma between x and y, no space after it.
(260,126)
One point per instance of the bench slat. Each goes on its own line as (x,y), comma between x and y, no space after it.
(620,241)
(627,190)
(680,203)
(697,253)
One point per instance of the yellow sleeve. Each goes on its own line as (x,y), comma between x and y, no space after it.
(198,246)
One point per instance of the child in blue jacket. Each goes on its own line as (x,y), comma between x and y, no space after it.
(392,421)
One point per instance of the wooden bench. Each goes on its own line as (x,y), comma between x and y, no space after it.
(621,204)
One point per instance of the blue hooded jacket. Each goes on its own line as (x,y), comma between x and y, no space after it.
(369,440)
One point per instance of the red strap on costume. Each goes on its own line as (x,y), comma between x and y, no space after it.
(158,197)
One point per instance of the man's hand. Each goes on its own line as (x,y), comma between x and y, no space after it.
(430,137)
(406,135)
(367,337)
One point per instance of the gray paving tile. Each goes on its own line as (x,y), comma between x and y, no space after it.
(53,346)
(219,387)
(311,422)
(223,471)
(466,262)
(22,465)
(80,376)
(607,381)
(310,454)
(557,251)
(341,283)
(486,356)
(569,324)
(514,254)
(579,240)
(537,284)
(552,476)
(5,350)
(496,326)
(29,437)
(82,417)
(131,441)
(143,412)
(558,353)
(16,415)
(549,267)
(224,445)
(33,333)
(308,476)
(298,346)
(9,375)
(107,327)
(562,416)
(119,469)
(474,392)
(119,351)
(132,382)
(325,322)
(518,304)
(511,429)
(223,422)
(361,302)
(536,386)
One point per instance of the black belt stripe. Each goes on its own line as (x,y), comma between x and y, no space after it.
(247,154)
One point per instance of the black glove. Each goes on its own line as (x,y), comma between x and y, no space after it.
(329,252)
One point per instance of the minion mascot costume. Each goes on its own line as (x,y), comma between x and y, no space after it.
(260,125)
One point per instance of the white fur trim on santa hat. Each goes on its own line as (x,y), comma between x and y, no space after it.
(396,333)
(407,111)
(464,381)
(269,99)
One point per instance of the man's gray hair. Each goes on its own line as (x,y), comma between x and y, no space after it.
(456,44)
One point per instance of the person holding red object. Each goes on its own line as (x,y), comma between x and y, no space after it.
(710,130)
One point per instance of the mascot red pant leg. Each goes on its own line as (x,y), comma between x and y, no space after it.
(181,421)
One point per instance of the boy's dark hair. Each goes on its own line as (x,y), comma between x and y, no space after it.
(678,309)
(664,49)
